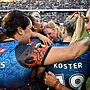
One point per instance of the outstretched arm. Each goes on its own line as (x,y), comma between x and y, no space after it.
(74,50)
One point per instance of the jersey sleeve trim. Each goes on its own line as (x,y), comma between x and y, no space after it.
(46,55)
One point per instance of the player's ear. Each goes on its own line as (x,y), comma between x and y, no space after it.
(20,30)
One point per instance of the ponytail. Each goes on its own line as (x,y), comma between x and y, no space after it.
(79,27)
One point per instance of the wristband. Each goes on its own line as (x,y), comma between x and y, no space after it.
(58,83)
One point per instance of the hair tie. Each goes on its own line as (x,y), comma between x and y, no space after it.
(72,15)
(79,13)
(3,30)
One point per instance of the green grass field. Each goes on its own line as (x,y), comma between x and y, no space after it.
(85,34)
(88,83)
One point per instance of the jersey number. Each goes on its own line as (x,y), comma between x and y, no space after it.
(75,81)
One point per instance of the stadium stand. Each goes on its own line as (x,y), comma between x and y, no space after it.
(49,9)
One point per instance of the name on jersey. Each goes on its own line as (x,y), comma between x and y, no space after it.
(68,65)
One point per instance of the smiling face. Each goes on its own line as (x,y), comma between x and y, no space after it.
(87,21)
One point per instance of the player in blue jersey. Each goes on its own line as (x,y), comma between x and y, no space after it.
(18,55)
(36,27)
(74,73)
(53,31)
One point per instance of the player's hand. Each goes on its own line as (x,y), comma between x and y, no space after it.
(45,40)
(50,79)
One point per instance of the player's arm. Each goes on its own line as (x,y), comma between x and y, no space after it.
(43,38)
(74,50)
(44,55)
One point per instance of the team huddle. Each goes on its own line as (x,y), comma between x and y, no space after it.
(35,56)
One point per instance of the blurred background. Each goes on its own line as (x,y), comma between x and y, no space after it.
(49,9)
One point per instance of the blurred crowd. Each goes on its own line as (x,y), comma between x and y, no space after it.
(54,16)
(50,16)
(46,4)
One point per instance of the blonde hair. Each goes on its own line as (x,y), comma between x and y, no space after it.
(76,22)
(59,29)
(54,27)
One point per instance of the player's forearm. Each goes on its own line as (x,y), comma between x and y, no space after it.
(65,88)
(59,86)
(80,47)
(35,34)
(74,50)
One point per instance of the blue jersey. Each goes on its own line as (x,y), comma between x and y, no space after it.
(16,62)
(57,42)
(73,73)
(39,81)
